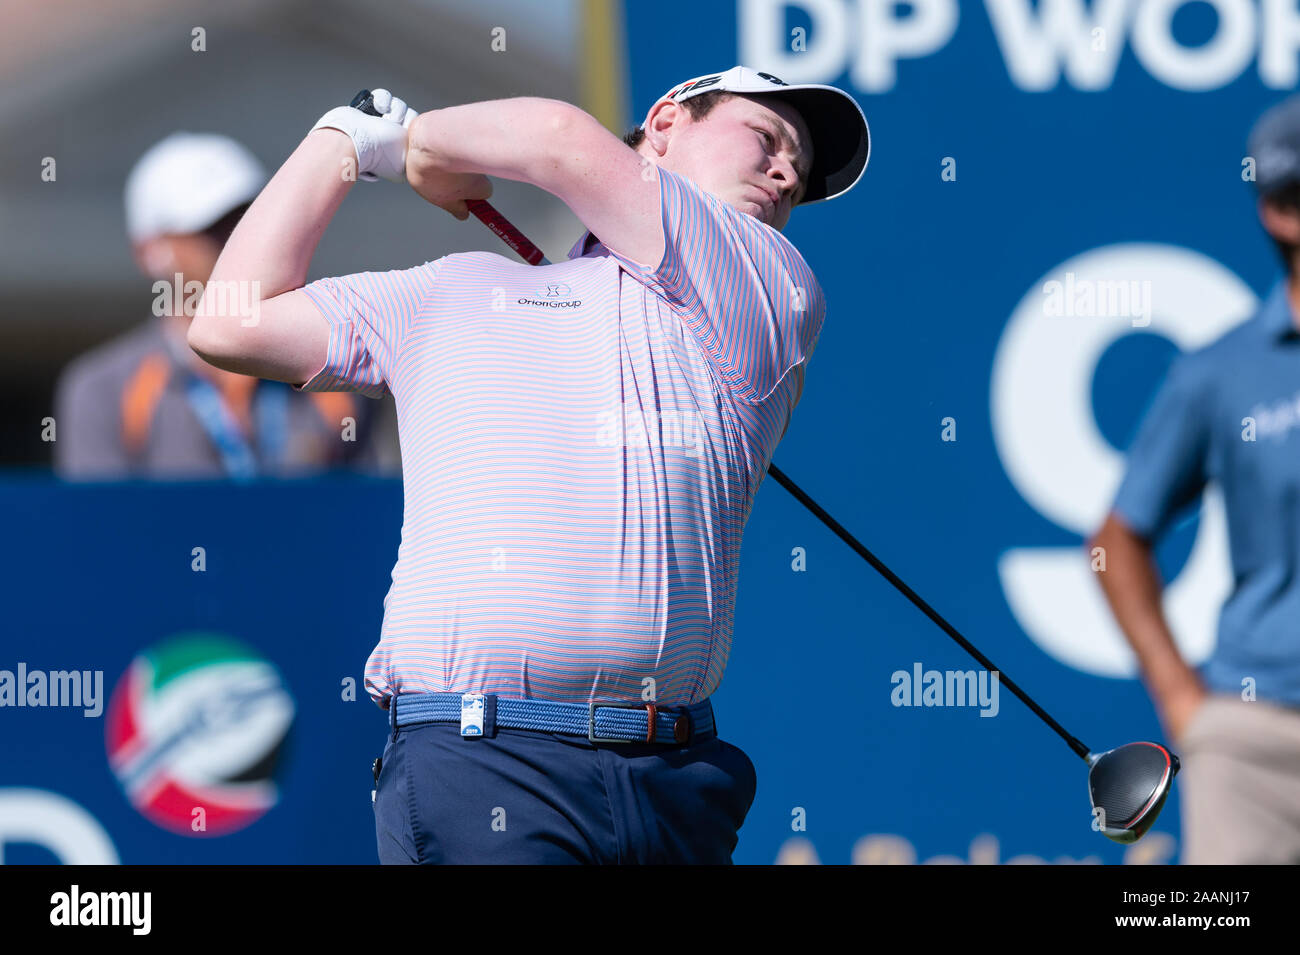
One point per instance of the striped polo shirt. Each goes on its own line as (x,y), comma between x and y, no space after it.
(581,445)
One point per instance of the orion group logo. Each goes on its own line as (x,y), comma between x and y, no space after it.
(553,295)
(195,730)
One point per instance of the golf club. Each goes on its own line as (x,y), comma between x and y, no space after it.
(1127,785)
(480,208)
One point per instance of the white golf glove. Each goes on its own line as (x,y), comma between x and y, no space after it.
(380,141)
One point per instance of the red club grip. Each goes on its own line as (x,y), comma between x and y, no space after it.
(502,227)
(479,207)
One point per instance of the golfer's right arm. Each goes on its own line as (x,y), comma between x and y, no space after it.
(1131,582)
(267,257)
(555,146)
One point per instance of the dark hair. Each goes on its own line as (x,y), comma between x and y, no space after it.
(698,107)
(219,231)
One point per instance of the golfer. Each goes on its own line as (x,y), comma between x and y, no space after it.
(581,446)
(1229,412)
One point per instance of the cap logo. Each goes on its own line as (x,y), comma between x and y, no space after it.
(694,85)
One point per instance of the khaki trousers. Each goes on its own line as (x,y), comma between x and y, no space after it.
(1239,786)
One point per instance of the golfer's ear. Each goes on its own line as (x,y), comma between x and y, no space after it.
(662,121)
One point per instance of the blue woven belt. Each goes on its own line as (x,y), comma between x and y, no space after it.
(599,722)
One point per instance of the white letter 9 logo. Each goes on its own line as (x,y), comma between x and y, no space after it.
(1055,455)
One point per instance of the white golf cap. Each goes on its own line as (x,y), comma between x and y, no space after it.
(840,138)
(188,181)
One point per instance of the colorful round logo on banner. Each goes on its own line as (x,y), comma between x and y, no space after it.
(195,730)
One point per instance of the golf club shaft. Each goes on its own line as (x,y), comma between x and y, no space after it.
(533,255)
(924,607)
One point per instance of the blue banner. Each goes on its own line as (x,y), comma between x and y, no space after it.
(1059,200)
(191,660)
(199,649)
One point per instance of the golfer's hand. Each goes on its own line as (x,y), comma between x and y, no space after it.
(1178,710)
(446,190)
(379,141)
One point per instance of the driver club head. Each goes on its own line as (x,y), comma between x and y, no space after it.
(1129,785)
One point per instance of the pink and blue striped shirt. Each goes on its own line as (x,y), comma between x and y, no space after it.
(581,445)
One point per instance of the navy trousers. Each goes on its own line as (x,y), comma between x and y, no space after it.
(526,797)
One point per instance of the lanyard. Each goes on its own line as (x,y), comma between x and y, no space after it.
(270,418)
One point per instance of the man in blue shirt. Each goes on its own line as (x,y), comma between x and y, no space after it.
(1229,413)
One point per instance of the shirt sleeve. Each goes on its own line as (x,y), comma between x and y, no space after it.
(1167,463)
(369,314)
(740,286)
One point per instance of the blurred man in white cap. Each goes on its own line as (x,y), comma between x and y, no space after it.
(143,405)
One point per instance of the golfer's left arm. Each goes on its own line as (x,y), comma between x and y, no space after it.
(1165,474)
(1132,586)
(267,257)
(554,146)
